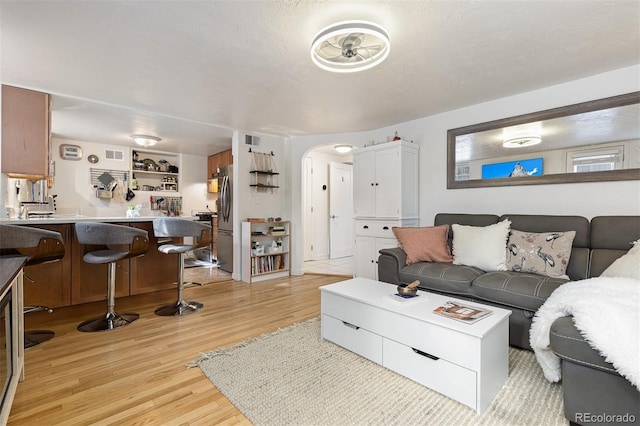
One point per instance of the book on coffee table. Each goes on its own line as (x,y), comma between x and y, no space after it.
(460,312)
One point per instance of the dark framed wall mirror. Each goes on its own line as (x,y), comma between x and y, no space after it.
(588,142)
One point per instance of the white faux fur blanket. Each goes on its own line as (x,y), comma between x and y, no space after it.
(606,311)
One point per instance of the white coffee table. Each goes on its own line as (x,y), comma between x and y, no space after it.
(466,362)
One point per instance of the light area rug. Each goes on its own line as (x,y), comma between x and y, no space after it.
(294,377)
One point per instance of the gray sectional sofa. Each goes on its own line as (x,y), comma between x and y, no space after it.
(522,293)
(590,384)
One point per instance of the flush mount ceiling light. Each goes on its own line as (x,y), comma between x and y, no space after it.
(521,141)
(343,149)
(145,140)
(350,46)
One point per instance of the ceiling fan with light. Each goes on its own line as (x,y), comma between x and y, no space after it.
(350,46)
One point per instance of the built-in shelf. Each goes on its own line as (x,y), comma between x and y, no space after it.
(265,250)
(161,180)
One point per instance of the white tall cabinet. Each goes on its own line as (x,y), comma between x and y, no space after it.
(385,194)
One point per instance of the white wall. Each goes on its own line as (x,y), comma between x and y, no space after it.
(247,202)
(585,199)
(76,194)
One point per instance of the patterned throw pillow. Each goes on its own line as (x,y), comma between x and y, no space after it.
(544,253)
(424,244)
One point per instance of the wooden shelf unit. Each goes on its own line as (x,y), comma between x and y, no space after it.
(264,264)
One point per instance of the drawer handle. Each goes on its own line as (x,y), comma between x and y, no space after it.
(386,228)
(419,352)
(366,227)
(355,327)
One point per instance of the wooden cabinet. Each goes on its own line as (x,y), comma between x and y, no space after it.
(72,281)
(371,236)
(265,250)
(89,280)
(26,135)
(385,181)
(154,271)
(214,163)
(48,283)
(385,194)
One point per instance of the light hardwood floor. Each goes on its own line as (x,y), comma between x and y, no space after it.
(137,375)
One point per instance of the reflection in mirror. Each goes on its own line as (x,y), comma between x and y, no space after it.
(588,142)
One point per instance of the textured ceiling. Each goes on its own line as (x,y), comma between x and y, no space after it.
(191,72)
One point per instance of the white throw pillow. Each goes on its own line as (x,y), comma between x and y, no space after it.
(481,246)
(627,266)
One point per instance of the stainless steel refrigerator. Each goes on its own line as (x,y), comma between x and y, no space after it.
(225,219)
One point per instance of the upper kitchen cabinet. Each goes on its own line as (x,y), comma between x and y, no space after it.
(214,163)
(26,133)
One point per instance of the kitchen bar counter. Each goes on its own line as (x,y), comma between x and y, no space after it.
(71,281)
(69,218)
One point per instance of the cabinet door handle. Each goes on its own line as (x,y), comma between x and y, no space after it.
(419,352)
(386,228)
(355,327)
(376,183)
(372,184)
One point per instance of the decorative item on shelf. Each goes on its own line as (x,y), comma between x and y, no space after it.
(277,230)
(396,137)
(150,165)
(256,248)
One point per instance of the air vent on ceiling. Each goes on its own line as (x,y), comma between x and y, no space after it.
(252,140)
(111,154)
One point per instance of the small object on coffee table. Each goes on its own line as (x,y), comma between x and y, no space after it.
(409,290)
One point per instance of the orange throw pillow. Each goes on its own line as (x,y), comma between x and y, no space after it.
(424,244)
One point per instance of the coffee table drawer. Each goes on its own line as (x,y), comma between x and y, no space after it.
(352,337)
(442,376)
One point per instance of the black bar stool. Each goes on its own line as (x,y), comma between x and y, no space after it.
(40,246)
(170,227)
(97,237)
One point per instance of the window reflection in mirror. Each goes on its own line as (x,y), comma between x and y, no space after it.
(592,141)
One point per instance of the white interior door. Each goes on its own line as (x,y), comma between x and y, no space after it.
(340,210)
(307,211)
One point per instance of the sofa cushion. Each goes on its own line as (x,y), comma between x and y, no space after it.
(481,246)
(517,289)
(544,253)
(627,265)
(567,342)
(424,244)
(454,279)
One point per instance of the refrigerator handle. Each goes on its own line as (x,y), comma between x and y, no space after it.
(228,199)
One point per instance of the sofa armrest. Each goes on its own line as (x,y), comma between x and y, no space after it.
(389,263)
